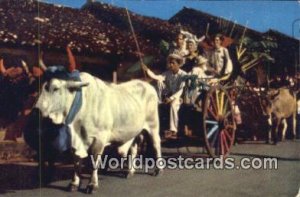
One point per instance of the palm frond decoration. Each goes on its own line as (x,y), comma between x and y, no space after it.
(251,53)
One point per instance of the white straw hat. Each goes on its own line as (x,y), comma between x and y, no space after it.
(175,56)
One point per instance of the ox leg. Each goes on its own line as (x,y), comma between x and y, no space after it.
(93,184)
(123,151)
(75,183)
(96,150)
(269,132)
(133,152)
(152,128)
(275,133)
(284,129)
(294,124)
(157,148)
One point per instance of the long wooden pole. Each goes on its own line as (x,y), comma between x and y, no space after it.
(207,29)
(231,32)
(135,40)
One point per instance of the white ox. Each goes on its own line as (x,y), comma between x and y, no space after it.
(109,114)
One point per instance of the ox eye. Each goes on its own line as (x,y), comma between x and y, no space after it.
(47,87)
(55,89)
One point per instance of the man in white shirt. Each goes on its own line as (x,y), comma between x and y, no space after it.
(170,86)
(219,59)
(179,46)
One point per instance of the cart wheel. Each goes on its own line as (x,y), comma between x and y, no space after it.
(218,122)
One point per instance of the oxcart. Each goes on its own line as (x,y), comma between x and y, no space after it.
(211,116)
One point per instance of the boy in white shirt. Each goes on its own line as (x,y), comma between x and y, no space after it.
(170,84)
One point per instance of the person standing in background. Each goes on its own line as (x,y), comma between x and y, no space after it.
(219,59)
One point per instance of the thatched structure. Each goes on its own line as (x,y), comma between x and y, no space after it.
(28,27)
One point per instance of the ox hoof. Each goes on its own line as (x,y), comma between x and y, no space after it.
(72,187)
(157,172)
(90,189)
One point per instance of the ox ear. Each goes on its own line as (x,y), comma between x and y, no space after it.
(76,84)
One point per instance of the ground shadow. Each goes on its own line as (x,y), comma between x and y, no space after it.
(183,142)
(21,176)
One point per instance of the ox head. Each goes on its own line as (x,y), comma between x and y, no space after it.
(266,99)
(56,98)
(266,105)
(17,74)
(58,92)
(272,94)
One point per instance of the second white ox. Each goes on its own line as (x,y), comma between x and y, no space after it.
(109,114)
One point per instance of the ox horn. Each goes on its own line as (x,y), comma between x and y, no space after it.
(72,65)
(76,84)
(2,67)
(24,65)
(41,62)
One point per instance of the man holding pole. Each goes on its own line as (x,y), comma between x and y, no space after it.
(170,86)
